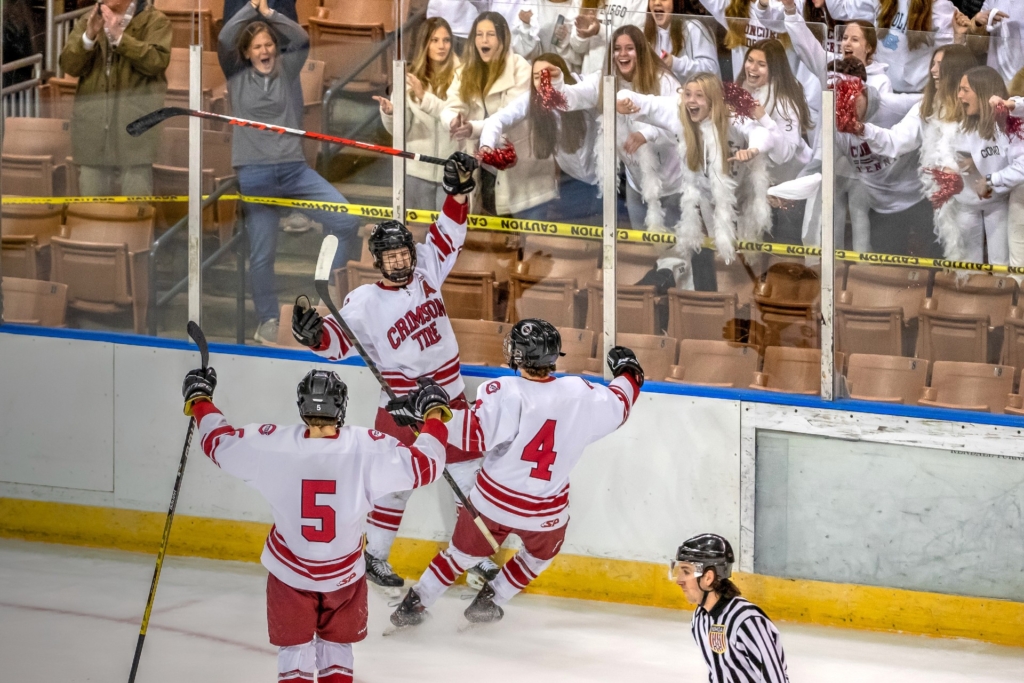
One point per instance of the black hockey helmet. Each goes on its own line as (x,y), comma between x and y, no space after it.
(392,235)
(707,551)
(322,394)
(534,344)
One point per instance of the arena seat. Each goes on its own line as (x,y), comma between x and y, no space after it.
(561,257)
(170,177)
(983,296)
(60,98)
(656,353)
(787,307)
(714,363)
(888,379)
(312,80)
(342,28)
(497,252)
(469,295)
(1013,342)
(214,86)
(34,157)
(952,337)
(304,9)
(103,258)
(980,387)
(792,370)
(480,341)
(578,347)
(189,24)
(868,330)
(634,308)
(873,291)
(25,232)
(737,278)
(34,302)
(552,299)
(701,315)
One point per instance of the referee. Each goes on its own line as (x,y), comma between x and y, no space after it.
(739,642)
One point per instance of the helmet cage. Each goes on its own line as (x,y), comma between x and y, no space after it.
(385,237)
(322,394)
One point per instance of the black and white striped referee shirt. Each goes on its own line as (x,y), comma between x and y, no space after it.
(740,643)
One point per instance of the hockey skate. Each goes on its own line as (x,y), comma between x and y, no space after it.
(380,572)
(483,610)
(410,612)
(478,576)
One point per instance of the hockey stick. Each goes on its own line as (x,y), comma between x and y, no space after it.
(199,338)
(144,123)
(323,273)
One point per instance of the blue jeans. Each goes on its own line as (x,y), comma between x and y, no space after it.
(292,180)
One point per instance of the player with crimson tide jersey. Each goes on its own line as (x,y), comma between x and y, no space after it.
(402,323)
(320,479)
(534,429)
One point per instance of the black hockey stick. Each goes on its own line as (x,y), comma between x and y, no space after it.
(323,274)
(144,123)
(199,338)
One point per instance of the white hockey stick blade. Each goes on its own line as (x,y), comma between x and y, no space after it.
(326,259)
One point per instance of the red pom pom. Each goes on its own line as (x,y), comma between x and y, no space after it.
(847,90)
(739,100)
(950,185)
(501,158)
(548,97)
(1011,126)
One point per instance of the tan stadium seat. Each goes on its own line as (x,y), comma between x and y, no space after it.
(34,302)
(484,251)
(634,260)
(701,315)
(178,78)
(551,299)
(656,353)
(312,81)
(714,363)
(170,177)
(480,341)
(578,347)
(25,232)
(35,157)
(190,25)
(60,98)
(1013,342)
(869,330)
(969,386)
(304,9)
(878,309)
(953,337)
(888,379)
(342,28)
(634,308)
(561,258)
(738,278)
(285,340)
(983,297)
(793,371)
(469,295)
(787,307)
(104,258)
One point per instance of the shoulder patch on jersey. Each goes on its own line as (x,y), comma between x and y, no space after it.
(427,289)
(492,387)
(716,639)
(375,435)
(267,430)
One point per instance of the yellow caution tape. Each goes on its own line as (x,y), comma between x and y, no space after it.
(534,227)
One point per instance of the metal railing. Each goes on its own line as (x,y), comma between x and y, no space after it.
(22,99)
(156,302)
(58,28)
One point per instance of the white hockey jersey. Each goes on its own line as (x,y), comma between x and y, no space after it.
(406,330)
(534,433)
(319,490)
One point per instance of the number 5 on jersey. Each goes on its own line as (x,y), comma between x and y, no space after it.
(324,513)
(541,450)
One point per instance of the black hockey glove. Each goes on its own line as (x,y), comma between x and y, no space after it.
(402,411)
(198,385)
(307,325)
(621,359)
(458,174)
(429,395)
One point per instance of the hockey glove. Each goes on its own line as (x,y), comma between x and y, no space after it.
(198,386)
(429,395)
(402,411)
(458,174)
(307,325)
(621,359)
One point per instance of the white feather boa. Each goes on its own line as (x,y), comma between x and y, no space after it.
(938,150)
(650,188)
(756,214)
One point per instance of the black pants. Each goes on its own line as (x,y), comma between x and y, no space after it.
(910,232)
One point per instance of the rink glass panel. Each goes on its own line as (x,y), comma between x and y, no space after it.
(886,515)
(909,303)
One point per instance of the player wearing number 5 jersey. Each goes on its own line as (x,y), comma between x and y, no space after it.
(403,325)
(320,479)
(534,429)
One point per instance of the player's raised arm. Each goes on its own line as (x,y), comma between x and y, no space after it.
(447,234)
(402,468)
(323,336)
(221,442)
(623,390)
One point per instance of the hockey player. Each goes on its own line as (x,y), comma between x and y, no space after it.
(534,428)
(738,640)
(402,324)
(320,479)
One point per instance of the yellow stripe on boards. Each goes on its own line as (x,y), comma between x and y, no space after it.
(570,576)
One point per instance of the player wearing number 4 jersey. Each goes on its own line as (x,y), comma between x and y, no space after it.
(403,325)
(534,429)
(320,479)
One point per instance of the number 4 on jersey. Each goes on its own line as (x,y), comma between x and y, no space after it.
(541,450)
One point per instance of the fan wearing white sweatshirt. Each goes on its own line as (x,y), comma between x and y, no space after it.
(590,30)
(685,44)
(1003,20)
(544,26)
(1011,179)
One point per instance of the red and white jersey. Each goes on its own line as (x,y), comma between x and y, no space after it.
(405,330)
(534,433)
(319,490)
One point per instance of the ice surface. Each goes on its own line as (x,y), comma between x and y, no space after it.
(73,614)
